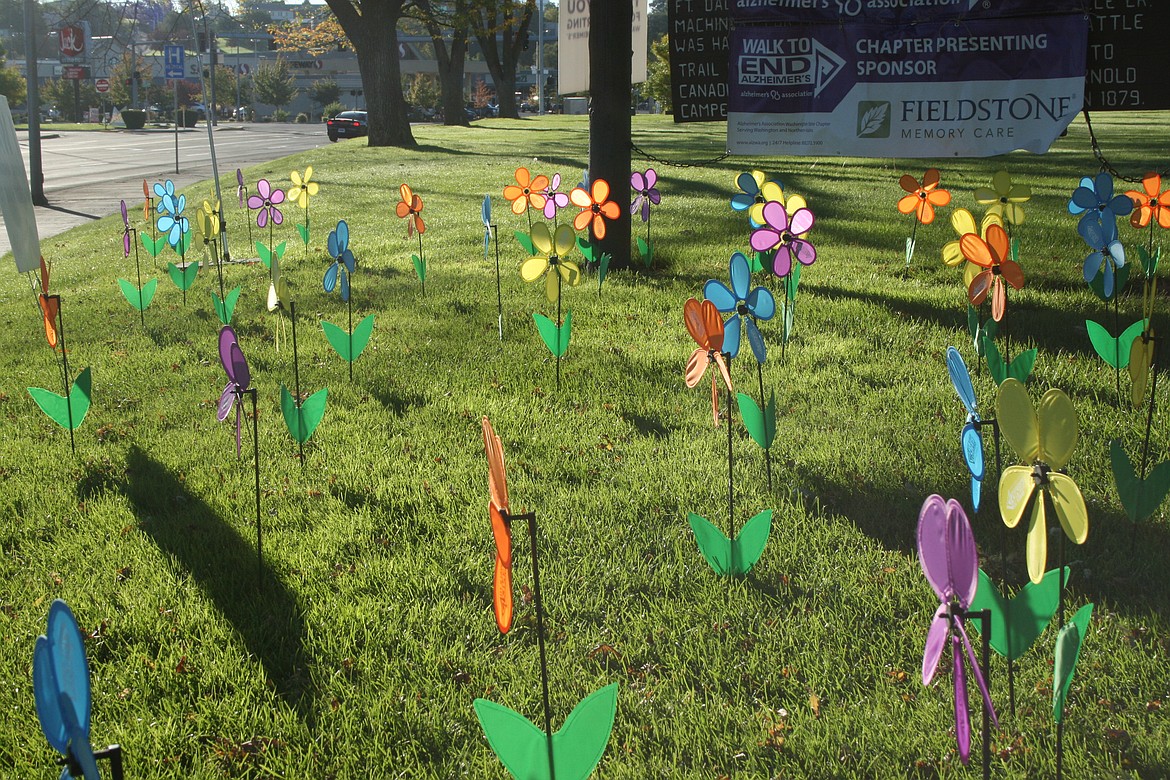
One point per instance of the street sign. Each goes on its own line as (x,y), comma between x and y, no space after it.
(71,42)
(101,85)
(173,61)
(75,72)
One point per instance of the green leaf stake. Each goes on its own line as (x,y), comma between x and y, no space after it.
(304,417)
(527,751)
(265,254)
(349,346)
(1139,497)
(732,557)
(1017,622)
(760,425)
(67,411)
(645,251)
(602,270)
(304,231)
(1068,652)
(1114,351)
(348,343)
(152,245)
(420,270)
(1019,368)
(183,277)
(138,297)
(525,241)
(226,308)
(555,337)
(577,747)
(134,294)
(981,335)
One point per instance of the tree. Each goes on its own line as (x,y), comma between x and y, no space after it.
(273,83)
(252,17)
(71,100)
(12,84)
(372,29)
(124,70)
(324,91)
(657,84)
(509,20)
(311,35)
(449,56)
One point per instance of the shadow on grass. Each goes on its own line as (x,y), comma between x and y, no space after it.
(265,615)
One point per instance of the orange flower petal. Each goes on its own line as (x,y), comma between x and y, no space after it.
(581,221)
(600,190)
(908,183)
(598,227)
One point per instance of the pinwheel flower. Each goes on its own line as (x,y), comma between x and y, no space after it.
(1004,198)
(754,192)
(1044,438)
(922,198)
(126,229)
(1108,253)
(501,527)
(165,192)
(749,304)
(343,260)
(147,205)
(1095,195)
(265,203)
(172,222)
(553,200)
(963,221)
(1149,205)
(302,188)
(527,191)
(551,250)
(782,233)
(993,255)
(950,561)
(410,206)
(207,222)
(596,207)
(706,328)
(241,190)
(647,193)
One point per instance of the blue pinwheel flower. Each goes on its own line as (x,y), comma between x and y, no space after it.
(486,213)
(172,222)
(343,260)
(748,304)
(1095,198)
(1108,253)
(755,191)
(165,192)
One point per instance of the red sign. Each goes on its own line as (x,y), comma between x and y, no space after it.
(72,40)
(75,72)
(101,85)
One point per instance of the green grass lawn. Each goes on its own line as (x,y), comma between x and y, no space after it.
(358,648)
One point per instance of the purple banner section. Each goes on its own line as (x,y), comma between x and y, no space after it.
(980,88)
(897,11)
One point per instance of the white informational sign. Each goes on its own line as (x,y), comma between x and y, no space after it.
(573,45)
(16,198)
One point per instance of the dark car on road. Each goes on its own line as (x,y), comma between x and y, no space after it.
(347,124)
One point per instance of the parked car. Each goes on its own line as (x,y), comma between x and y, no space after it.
(347,124)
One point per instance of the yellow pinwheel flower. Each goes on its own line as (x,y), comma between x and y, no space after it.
(963,221)
(552,249)
(302,188)
(1004,198)
(1045,438)
(207,223)
(278,292)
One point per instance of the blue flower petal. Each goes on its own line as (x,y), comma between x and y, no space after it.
(756,341)
(741,276)
(717,292)
(731,335)
(761,303)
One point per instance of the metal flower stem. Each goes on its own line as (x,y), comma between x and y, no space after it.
(1060,623)
(422,259)
(292,315)
(730,463)
(271,249)
(256,468)
(553,262)
(913,232)
(499,294)
(65,369)
(150,207)
(764,414)
(349,313)
(984,617)
(1117,346)
(213,247)
(531,518)
(138,272)
(251,241)
(183,264)
(224,253)
(1149,426)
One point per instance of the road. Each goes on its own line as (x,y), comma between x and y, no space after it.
(88,173)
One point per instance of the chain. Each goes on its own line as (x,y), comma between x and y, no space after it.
(661,161)
(1105,164)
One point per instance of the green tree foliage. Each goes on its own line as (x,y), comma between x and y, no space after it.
(273,83)
(422,90)
(122,71)
(61,93)
(12,84)
(324,91)
(657,84)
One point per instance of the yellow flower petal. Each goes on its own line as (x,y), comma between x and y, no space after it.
(1058,428)
(532,268)
(1017,420)
(1037,544)
(1015,488)
(1070,507)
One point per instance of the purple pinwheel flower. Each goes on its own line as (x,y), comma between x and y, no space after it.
(643,184)
(950,561)
(1108,254)
(554,201)
(240,188)
(172,222)
(266,200)
(783,234)
(125,231)
(1096,197)
(343,260)
(239,377)
(748,304)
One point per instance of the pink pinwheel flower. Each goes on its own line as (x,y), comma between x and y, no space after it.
(783,234)
(647,193)
(266,199)
(554,201)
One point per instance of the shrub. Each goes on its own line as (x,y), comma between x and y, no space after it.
(331,110)
(280,115)
(302,118)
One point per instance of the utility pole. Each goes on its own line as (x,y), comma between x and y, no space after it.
(36,174)
(610,74)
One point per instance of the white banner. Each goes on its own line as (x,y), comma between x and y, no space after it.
(573,45)
(16,198)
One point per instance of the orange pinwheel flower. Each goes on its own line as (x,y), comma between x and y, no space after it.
(993,255)
(596,207)
(410,207)
(924,197)
(706,328)
(501,528)
(530,191)
(146,201)
(50,305)
(1150,205)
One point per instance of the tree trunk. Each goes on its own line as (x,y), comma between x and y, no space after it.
(609,122)
(450,62)
(372,28)
(512,24)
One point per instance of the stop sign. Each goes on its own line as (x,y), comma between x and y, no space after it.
(101,85)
